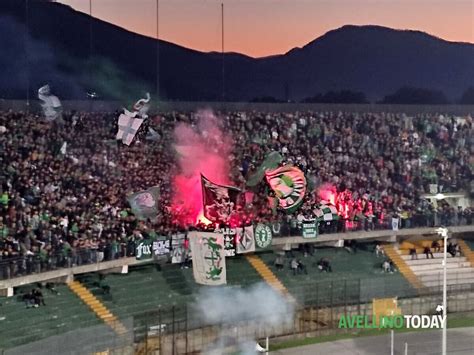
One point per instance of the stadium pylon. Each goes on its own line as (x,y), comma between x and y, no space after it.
(402,266)
(97,307)
(466,251)
(269,277)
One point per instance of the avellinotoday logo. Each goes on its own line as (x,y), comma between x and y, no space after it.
(394,322)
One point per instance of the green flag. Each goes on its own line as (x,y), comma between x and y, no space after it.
(271,162)
(326,212)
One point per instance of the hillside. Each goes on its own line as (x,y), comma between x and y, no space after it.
(117,63)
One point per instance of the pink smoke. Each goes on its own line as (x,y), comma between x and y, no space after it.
(203,149)
(328,193)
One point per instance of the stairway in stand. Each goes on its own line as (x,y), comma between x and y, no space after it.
(429,271)
(466,251)
(402,266)
(269,276)
(97,307)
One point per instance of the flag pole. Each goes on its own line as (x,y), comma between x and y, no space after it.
(222,49)
(90,43)
(27,20)
(157,51)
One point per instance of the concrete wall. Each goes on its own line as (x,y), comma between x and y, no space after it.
(102,106)
(383,235)
(67,274)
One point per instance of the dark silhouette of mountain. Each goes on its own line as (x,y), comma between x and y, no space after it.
(370,59)
(339,97)
(416,96)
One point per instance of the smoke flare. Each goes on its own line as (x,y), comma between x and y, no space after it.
(201,149)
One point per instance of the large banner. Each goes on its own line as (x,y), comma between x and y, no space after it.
(208,258)
(310,229)
(245,240)
(219,201)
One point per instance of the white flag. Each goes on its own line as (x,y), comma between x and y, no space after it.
(245,240)
(51,105)
(208,258)
(127,128)
(142,106)
(395,222)
(63,148)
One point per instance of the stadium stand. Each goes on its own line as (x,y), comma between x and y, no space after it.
(59,210)
(63,312)
(146,288)
(466,250)
(355,277)
(426,264)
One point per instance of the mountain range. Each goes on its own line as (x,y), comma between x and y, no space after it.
(76,54)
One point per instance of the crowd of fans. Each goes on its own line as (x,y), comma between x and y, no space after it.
(63,184)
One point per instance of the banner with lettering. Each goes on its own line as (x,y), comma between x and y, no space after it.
(161,247)
(229,240)
(263,236)
(143,249)
(310,228)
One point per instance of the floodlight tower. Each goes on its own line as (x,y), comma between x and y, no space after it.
(443,231)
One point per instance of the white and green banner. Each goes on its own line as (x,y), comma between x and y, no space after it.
(326,212)
(208,258)
(245,241)
(263,236)
(310,228)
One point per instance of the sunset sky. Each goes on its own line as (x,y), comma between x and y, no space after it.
(265,27)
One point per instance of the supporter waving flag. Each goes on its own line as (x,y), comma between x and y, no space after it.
(289,184)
